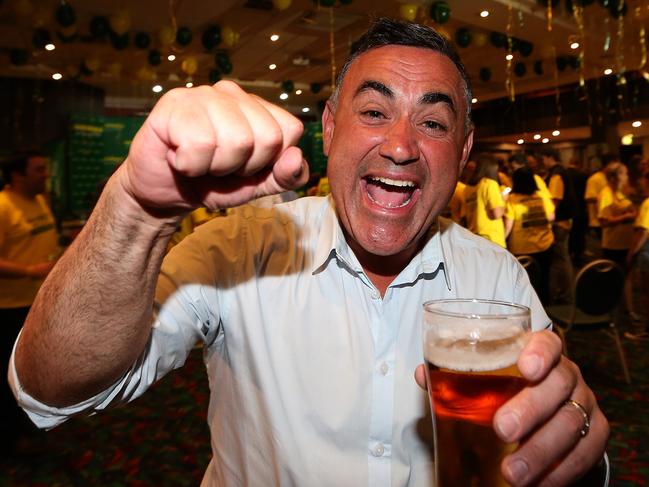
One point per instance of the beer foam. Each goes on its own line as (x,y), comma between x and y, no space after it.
(486,348)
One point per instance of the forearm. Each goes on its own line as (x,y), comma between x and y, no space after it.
(91,318)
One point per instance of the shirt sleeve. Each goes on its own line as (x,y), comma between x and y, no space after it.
(556,187)
(642,220)
(604,200)
(493,197)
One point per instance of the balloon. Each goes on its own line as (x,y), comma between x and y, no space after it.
(223,62)
(562,62)
(23,8)
(230,37)
(154,57)
(119,41)
(99,27)
(480,39)
(167,35)
(315,88)
(520,69)
(65,15)
(408,11)
(211,37)
(324,3)
(42,16)
(142,40)
(538,67)
(498,39)
(485,74)
(440,12)
(67,34)
(573,61)
(463,37)
(282,4)
(525,48)
(214,76)
(288,86)
(120,22)
(189,65)
(18,57)
(345,2)
(41,38)
(184,36)
(92,63)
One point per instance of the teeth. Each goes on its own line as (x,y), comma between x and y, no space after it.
(391,205)
(394,182)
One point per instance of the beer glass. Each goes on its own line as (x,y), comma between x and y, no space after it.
(471,347)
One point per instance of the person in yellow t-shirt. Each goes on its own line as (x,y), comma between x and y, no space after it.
(455,203)
(616,214)
(483,204)
(638,263)
(28,249)
(528,225)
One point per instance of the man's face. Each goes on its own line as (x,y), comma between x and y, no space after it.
(396,144)
(36,175)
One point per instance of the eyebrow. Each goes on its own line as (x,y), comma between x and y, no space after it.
(430,98)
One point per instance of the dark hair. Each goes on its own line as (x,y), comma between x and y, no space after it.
(391,32)
(17,163)
(607,158)
(523,181)
(553,153)
(519,159)
(486,167)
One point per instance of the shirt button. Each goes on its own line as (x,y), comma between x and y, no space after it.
(384,368)
(375,295)
(379,450)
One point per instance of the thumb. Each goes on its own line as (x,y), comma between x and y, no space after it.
(290,171)
(420,376)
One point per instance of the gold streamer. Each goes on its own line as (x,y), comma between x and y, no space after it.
(621,78)
(548,14)
(332,49)
(557,100)
(578,13)
(643,48)
(509,79)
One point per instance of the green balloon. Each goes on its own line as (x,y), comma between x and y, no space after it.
(184,36)
(211,37)
(463,37)
(154,57)
(525,48)
(119,42)
(538,67)
(288,86)
(485,74)
(520,69)
(223,62)
(99,27)
(440,12)
(142,40)
(65,15)
(573,61)
(214,76)
(315,88)
(41,38)
(562,63)
(498,39)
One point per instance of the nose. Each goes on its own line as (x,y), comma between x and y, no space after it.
(400,143)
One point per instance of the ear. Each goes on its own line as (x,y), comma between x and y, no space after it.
(466,149)
(328,125)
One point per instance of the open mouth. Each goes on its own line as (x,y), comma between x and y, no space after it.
(389,193)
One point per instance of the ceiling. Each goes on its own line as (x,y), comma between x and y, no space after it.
(313,42)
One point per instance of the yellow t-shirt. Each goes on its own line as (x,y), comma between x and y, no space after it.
(27,236)
(455,204)
(477,200)
(594,185)
(543,190)
(618,236)
(556,191)
(531,232)
(642,220)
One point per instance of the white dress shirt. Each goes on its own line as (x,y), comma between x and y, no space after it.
(311,371)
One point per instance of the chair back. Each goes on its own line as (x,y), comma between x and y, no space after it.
(533,268)
(598,287)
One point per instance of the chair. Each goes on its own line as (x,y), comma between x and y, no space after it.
(598,288)
(533,268)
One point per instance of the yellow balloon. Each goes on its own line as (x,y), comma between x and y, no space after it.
(408,11)
(120,22)
(480,39)
(189,65)
(282,4)
(229,37)
(167,35)
(23,8)
(42,16)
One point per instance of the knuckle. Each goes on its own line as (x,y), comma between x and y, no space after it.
(242,144)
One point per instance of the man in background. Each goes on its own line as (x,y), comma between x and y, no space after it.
(28,249)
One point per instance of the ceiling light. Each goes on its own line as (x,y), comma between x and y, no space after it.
(272,66)
(306,110)
(171,57)
(474,100)
(298,92)
(545,140)
(608,71)
(484,13)
(555,133)
(274,37)
(283,96)
(537,136)
(520,141)
(189,84)
(637,124)
(574,45)
(627,139)
(509,57)
(50,47)
(157,89)
(57,76)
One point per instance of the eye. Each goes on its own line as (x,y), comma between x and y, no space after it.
(433,125)
(372,114)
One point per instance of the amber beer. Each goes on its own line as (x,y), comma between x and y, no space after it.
(471,373)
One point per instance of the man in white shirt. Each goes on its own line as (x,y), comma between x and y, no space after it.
(309,311)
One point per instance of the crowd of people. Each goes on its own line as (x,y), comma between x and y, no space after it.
(563,216)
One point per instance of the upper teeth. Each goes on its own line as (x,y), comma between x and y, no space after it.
(394,182)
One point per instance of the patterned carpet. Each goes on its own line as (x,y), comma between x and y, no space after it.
(162,438)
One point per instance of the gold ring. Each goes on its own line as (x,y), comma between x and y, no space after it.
(583,412)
